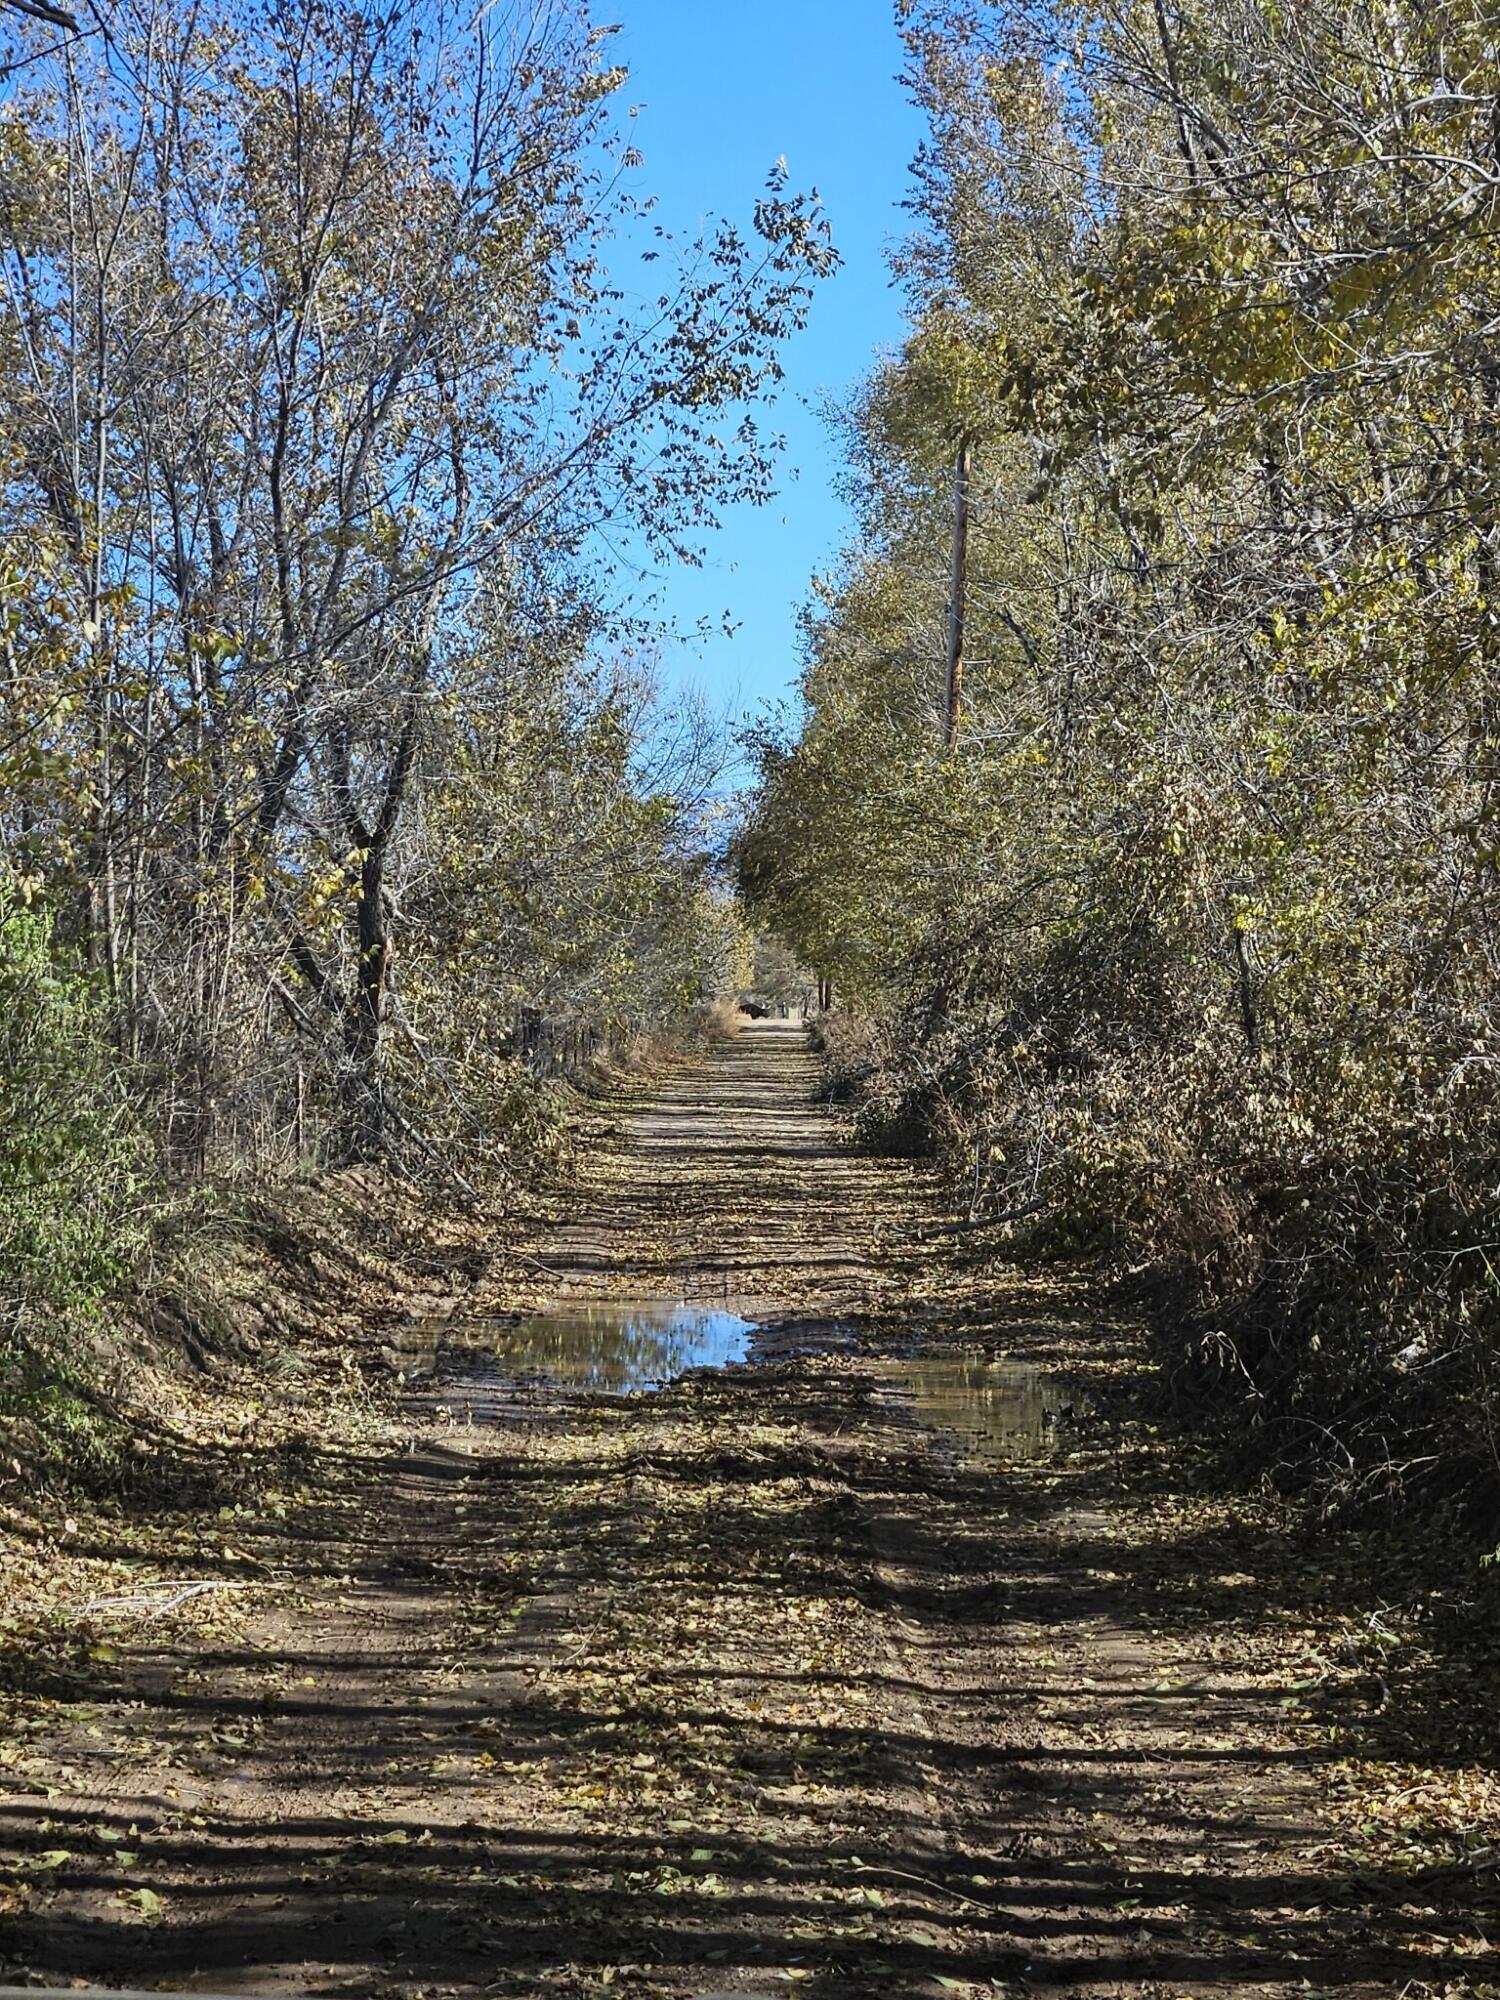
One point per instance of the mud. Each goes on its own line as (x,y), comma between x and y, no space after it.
(784,1678)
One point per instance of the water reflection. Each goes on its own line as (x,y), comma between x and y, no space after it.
(618,1348)
(1000,1409)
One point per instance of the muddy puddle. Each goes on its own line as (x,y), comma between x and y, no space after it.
(992,1409)
(618,1348)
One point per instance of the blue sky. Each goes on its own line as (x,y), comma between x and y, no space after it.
(726,91)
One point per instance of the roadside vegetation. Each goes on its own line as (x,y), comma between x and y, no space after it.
(1166,913)
(338,812)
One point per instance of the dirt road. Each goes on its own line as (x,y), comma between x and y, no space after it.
(730,1184)
(762,1685)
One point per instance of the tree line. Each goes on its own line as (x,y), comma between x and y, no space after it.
(1143,805)
(338,349)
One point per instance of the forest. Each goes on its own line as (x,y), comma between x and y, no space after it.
(661,1344)
(1144,812)
(334,782)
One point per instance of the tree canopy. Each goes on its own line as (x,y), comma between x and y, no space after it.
(331,343)
(1188,945)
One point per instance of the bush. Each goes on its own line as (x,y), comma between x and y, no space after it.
(73,1172)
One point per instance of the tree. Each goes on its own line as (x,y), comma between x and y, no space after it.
(1191,947)
(315,340)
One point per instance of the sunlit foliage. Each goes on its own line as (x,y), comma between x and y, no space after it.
(1189,950)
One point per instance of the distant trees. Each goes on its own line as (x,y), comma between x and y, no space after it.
(1191,947)
(318,389)
(777,977)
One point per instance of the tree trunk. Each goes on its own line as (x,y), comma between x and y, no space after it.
(364,1085)
(957,590)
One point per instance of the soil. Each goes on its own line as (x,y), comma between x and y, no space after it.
(758,1685)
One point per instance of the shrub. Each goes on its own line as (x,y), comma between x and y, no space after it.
(73,1172)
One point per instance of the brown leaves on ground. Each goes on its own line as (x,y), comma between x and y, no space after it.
(757,1685)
